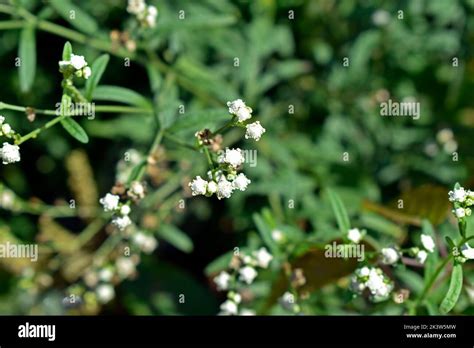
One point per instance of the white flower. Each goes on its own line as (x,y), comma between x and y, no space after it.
(125,267)
(198,186)
(247,274)
(10,153)
(145,242)
(222,280)
(247,312)
(6,129)
(125,209)
(224,188)
(110,202)
(364,271)
(421,256)
(263,257)
(254,131)
(122,222)
(287,301)
(389,256)
(105,293)
(458,195)
(235,105)
(428,242)
(211,187)
(234,157)
(150,18)
(241,182)
(137,189)
(229,308)
(277,236)
(2,119)
(374,280)
(461,212)
(152,11)
(381,18)
(106,274)
(78,62)
(136,6)
(239,109)
(377,285)
(354,235)
(86,72)
(467,251)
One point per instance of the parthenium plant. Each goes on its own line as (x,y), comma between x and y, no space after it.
(125,217)
(372,280)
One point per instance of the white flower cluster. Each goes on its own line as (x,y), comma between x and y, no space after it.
(222,185)
(103,280)
(111,203)
(224,180)
(79,64)
(8,153)
(242,271)
(144,242)
(146,15)
(374,280)
(243,113)
(463,199)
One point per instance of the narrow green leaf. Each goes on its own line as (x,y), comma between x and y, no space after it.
(98,68)
(176,237)
(67,51)
(77,17)
(27,54)
(121,95)
(70,125)
(455,287)
(340,211)
(450,242)
(219,264)
(135,171)
(427,228)
(265,233)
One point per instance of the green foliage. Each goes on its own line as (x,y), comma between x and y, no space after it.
(98,68)
(27,55)
(455,287)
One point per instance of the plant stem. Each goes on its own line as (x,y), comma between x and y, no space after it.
(431,281)
(98,108)
(437,272)
(11,24)
(179,142)
(34,134)
(208,156)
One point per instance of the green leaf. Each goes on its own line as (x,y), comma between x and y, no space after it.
(121,95)
(67,51)
(98,68)
(219,264)
(77,17)
(176,237)
(265,233)
(455,287)
(27,54)
(70,125)
(427,228)
(340,211)
(211,118)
